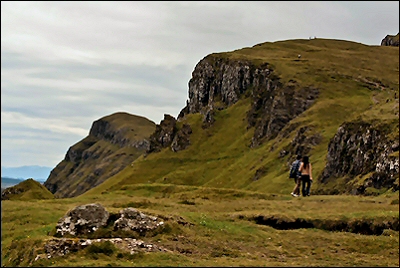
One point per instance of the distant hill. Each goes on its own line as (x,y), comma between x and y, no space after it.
(113,143)
(26,190)
(39,173)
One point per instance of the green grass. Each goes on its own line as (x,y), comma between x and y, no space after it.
(222,230)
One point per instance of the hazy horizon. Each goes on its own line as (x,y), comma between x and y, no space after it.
(39,173)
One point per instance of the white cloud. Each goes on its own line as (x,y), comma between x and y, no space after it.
(66,64)
(55,125)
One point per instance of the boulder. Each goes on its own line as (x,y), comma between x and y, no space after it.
(82,220)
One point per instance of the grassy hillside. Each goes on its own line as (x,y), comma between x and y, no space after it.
(355,82)
(26,190)
(226,204)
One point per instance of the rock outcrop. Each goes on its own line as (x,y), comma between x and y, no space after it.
(361,148)
(218,83)
(87,219)
(113,143)
(167,134)
(274,105)
(390,40)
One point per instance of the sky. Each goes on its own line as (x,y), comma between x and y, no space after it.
(67,64)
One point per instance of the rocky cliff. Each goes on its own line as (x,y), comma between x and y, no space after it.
(219,82)
(365,151)
(113,143)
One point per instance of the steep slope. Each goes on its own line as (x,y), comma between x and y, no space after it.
(113,142)
(251,110)
(26,190)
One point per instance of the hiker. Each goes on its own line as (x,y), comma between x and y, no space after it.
(295,174)
(306,176)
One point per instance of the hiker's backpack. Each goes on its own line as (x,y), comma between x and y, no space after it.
(294,170)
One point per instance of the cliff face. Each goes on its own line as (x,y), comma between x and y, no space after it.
(359,149)
(113,143)
(217,83)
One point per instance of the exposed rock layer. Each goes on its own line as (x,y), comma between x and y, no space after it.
(217,83)
(360,148)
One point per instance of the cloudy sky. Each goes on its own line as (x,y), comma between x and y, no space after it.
(66,64)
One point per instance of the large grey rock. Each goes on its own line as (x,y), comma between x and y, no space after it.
(82,220)
(133,220)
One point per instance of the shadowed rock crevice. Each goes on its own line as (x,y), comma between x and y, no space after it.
(358,226)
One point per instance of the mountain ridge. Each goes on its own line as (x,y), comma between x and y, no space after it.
(278,99)
(113,142)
